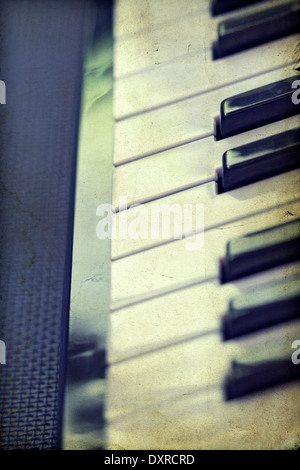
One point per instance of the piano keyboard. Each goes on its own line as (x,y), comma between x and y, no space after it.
(204,319)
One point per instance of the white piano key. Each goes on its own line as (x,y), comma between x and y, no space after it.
(156,42)
(173,399)
(132,18)
(182,167)
(165,357)
(140,228)
(181,122)
(156,46)
(190,76)
(163,321)
(156,389)
(191,417)
(186,262)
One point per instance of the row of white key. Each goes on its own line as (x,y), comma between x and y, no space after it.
(161,35)
(166,296)
(182,263)
(191,76)
(182,122)
(182,167)
(141,227)
(163,321)
(167,367)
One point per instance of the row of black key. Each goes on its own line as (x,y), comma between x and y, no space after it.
(263,308)
(223,6)
(242,32)
(266,157)
(246,164)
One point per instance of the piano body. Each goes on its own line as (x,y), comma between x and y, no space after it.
(199,324)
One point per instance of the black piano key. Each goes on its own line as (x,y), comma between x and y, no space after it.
(263,308)
(261,250)
(246,378)
(261,159)
(258,107)
(223,6)
(242,32)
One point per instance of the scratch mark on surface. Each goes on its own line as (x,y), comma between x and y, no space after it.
(95,278)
